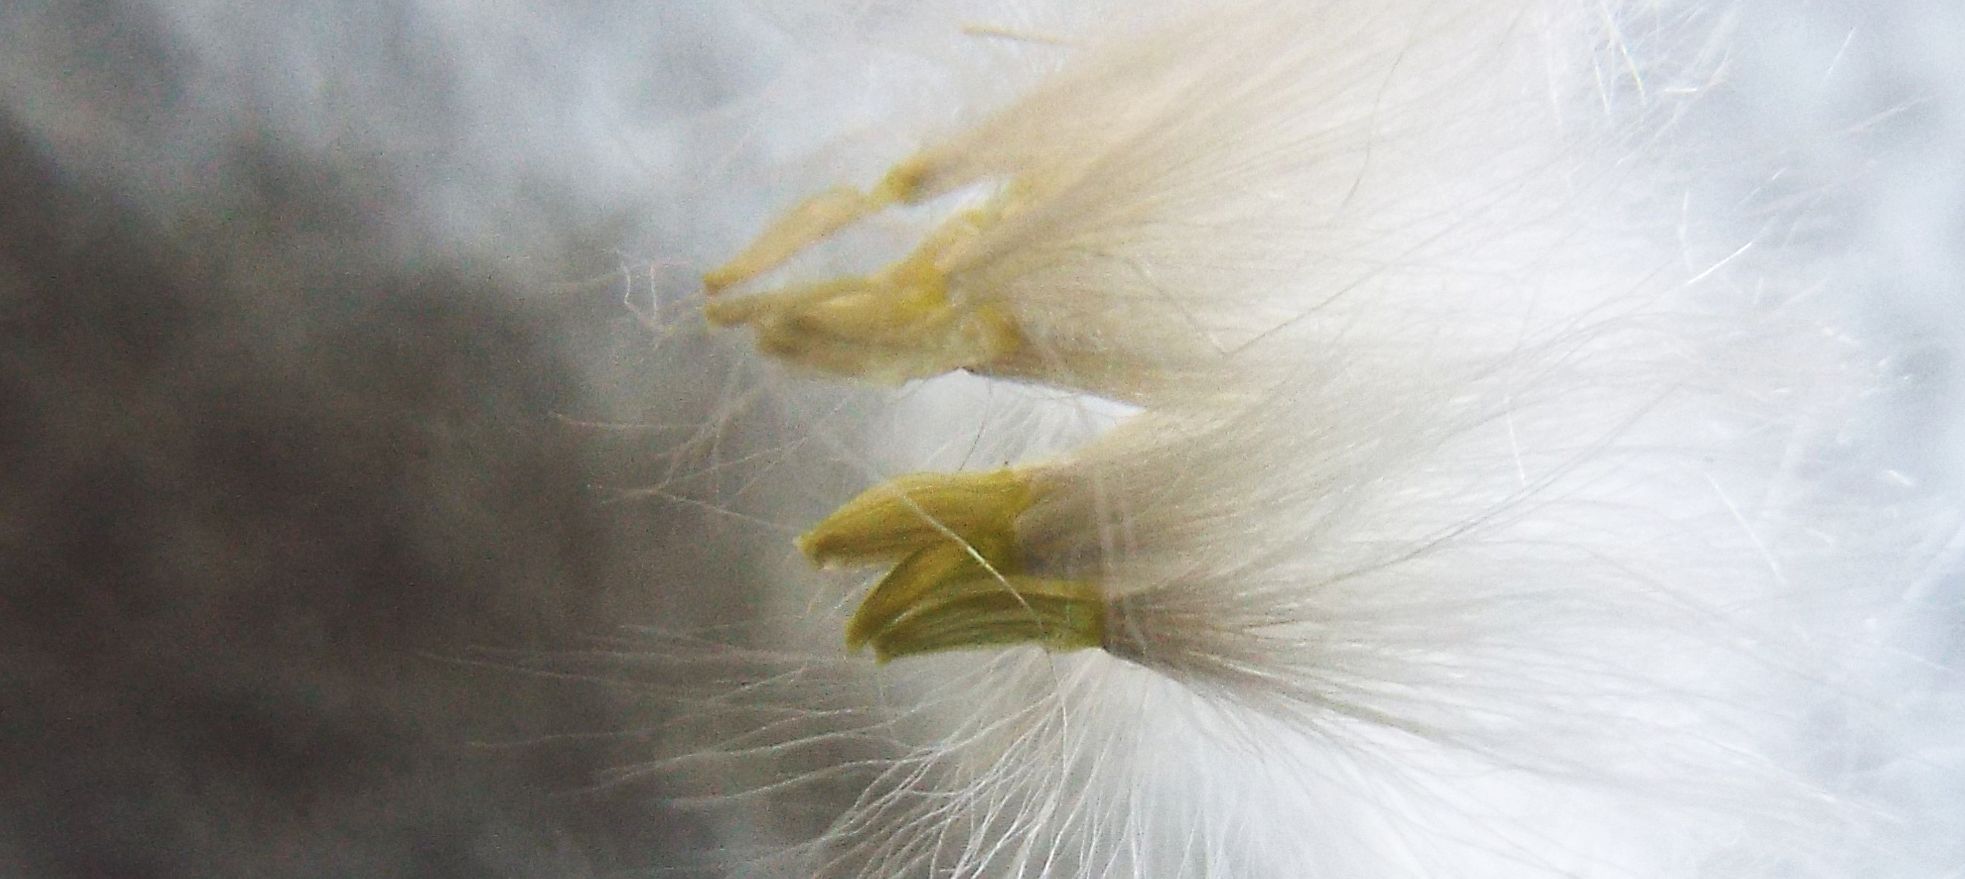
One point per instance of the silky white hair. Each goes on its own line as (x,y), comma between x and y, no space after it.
(1488,503)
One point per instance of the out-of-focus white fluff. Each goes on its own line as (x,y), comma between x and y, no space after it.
(1491,514)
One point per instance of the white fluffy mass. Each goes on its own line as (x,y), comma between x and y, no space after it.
(1502,500)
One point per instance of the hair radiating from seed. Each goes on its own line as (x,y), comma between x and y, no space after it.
(1479,512)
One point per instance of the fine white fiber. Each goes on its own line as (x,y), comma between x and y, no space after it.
(1483,499)
(1154,226)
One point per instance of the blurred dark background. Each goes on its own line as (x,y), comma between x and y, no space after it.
(285,452)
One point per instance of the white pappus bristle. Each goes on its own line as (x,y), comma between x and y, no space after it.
(1485,512)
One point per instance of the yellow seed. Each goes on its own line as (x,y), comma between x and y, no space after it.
(740,310)
(901,323)
(918,576)
(1058,615)
(892,326)
(889,353)
(908,513)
